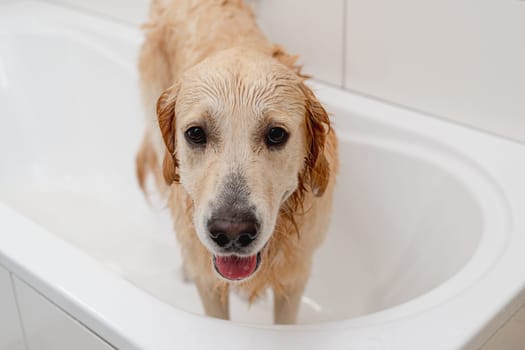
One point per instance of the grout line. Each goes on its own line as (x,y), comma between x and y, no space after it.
(436,116)
(423,112)
(341,85)
(17,303)
(515,314)
(503,325)
(344,28)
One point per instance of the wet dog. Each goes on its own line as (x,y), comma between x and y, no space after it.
(242,148)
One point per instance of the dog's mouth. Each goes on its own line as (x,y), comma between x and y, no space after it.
(235,267)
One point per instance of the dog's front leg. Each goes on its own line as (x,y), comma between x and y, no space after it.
(215,300)
(286,306)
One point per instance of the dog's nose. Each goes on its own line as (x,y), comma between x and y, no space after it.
(233,234)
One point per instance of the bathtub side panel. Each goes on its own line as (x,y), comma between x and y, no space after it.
(11,336)
(48,327)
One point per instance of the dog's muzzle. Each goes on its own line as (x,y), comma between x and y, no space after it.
(234,234)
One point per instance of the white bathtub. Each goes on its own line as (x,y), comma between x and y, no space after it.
(426,248)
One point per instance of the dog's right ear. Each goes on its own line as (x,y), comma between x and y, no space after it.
(166,119)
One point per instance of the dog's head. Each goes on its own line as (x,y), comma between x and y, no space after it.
(243,134)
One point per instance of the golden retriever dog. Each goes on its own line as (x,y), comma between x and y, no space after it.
(242,149)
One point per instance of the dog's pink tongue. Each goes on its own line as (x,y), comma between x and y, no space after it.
(235,267)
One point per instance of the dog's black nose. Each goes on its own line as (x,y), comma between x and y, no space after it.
(228,233)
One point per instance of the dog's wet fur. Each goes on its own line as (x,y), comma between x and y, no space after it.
(240,146)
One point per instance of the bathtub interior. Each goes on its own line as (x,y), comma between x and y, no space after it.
(71,122)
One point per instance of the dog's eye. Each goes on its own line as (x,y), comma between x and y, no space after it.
(276,136)
(195,135)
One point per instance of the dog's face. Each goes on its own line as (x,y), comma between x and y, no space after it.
(243,134)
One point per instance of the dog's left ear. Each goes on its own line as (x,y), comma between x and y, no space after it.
(166,119)
(317,169)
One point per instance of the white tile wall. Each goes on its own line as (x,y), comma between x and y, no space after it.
(11,337)
(312,29)
(459,59)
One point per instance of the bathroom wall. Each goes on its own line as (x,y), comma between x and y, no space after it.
(460,59)
(463,60)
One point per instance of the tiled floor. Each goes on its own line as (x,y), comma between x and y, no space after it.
(511,336)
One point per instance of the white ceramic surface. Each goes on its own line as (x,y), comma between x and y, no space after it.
(425,248)
(11,337)
(48,328)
